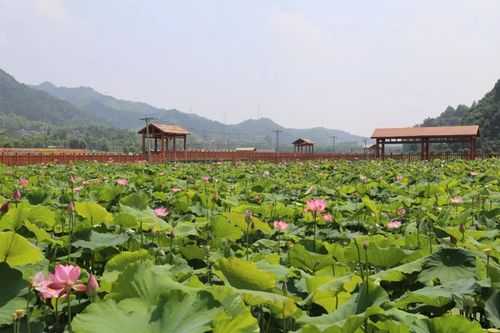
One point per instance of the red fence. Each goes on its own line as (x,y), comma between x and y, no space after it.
(23,158)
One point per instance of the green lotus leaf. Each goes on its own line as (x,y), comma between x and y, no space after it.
(447,265)
(350,316)
(24,212)
(492,309)
(245,275)
(243,322)
(453,324)
(129,316)
(299,257)
(239,220)
(16,250)
(93,212)
(224,230)
(134,218)
(118,264)
(97,240)
(138,200)
(9,308)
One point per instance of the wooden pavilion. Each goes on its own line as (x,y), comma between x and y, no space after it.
(302,145)
(425,136)
(162,135)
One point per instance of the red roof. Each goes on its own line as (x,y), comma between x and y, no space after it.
(166,129)
(426,132)
(302,141)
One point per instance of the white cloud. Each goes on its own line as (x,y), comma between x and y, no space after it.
(52,9)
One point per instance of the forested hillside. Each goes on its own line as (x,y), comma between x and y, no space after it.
(485,113)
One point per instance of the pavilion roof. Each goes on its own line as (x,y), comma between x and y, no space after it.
(166,129)
(302,141)
(426,132)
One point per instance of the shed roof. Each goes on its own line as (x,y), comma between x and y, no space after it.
(302,141)
(166,129)
(426,132)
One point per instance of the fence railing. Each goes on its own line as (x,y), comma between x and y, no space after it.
(27,158)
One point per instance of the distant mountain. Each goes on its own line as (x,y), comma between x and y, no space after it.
(485,113)
(21,100)
(253,132)
(33,118)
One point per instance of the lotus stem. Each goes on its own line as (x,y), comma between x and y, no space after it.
(69,312)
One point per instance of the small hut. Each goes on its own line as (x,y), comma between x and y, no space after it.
(162,135)
(302,145)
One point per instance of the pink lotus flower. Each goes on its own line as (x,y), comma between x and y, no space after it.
(161,211)
(122,181)
(92,285)
(78,189)
(457,200)
(23,182)
(364,179)
(394,225)
(66,278)
(280,225)
(328,217)
(473,173)
(206,179)
(399,178)
(42,282)
(176,189)
(316,205)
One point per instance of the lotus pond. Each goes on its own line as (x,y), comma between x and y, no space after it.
(337,247)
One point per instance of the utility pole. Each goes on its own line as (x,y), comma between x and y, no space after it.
(147,120)
(277,139)
(333,137)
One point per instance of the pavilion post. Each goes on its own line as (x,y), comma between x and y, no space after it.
(426,149)
(185,150)
(377,149)
(472,148)
(422,150)
(167,144)
(162,140)
(143,143)
(175,150)
(383,149)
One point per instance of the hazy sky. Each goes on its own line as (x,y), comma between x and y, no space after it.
(352,65)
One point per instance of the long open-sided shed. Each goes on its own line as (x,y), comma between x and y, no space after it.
(425,136)
(302,145)
(162,134)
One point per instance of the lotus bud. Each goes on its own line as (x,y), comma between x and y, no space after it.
(92,285)
(487,251)
(462,228)
(365,245)
(71,207)
(16,195)
(4,208)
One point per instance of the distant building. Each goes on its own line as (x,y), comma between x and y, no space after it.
(302,145)
(246,149)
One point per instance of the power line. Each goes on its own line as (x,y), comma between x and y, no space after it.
(277,139)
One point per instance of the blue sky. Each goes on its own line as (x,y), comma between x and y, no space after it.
(352,65)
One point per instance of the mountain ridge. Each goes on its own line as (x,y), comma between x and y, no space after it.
(254,132)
